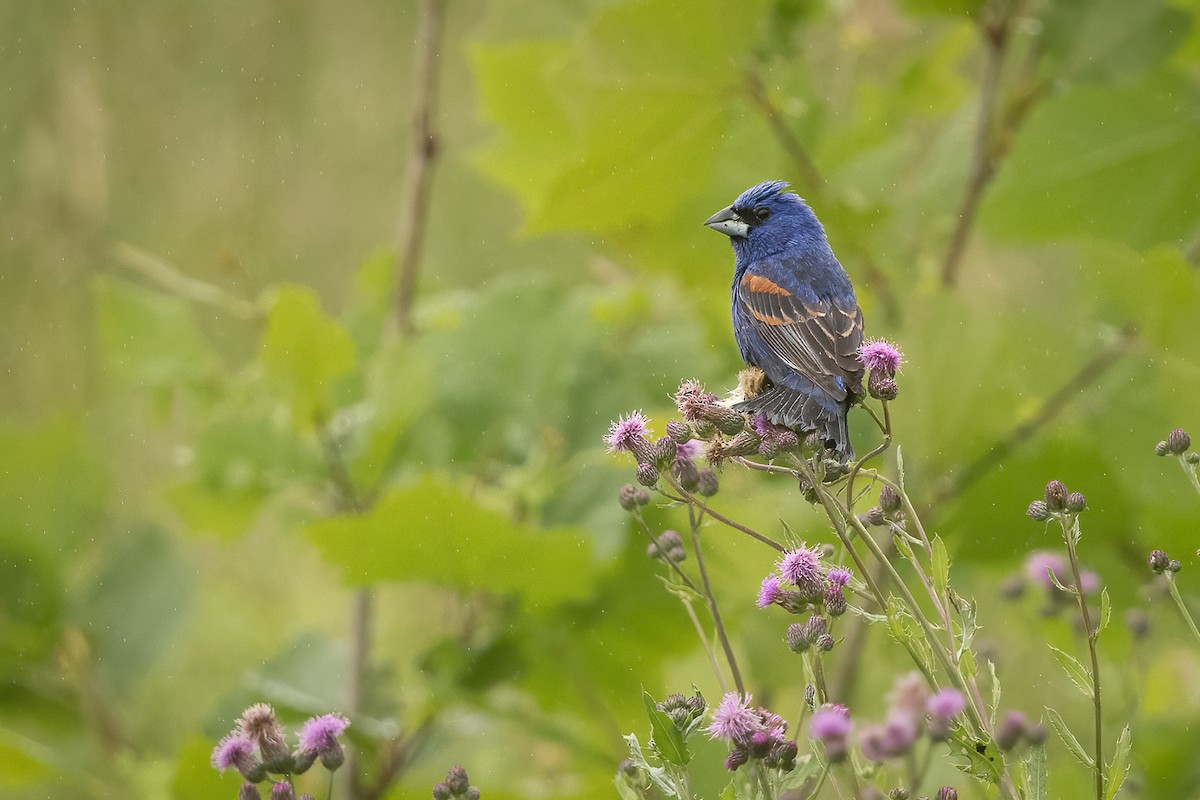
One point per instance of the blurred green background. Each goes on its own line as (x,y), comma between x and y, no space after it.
(213,446)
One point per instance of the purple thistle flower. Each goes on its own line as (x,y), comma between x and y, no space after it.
(235,751)
(1089,582)
(320,733)
(830,723)
(880,356)
(839,576)
(734,720)
(946,703)
(801,566)
(1040,563)
(627,430)
(283,790)
(690,449)
(770,591)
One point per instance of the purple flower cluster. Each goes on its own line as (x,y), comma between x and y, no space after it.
(752,733)
(676,452)
(882,360)
(911,711)
(800,580)
(257,747)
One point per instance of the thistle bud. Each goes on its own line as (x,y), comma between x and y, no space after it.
(1192,458)
(736,758)
(1178,441)
(457,781)
(808,491)
(1010,730)
(664,451)
(1056,496)
(628,496)
(708,484)
(1162,449)
(1158,561)
(835,602)
(899,793)
(1037,511)
(679,431)
(1138,623)
(1076,502)
(686,471)
(946,793)
(726,420)
(1174,566)
(889,499)
(882,387)
(824,643)
(797,639)
(283,790)
(647,474)
(249,791)
(876,516)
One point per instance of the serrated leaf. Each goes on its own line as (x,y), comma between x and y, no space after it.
(1035,772)
(666,739)
(995,704)
(968,612)
(900,467)
(981,758)
(940,565)
(1105,610)
(1075,671)
(1068,738)
(1118,768)
(658,775)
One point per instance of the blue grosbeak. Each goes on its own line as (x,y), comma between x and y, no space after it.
(795,316)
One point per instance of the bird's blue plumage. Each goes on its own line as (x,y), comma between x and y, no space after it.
(795,315)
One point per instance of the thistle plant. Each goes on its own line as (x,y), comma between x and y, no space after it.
(257,748)
(940,705)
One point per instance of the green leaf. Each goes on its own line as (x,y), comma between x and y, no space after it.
(1109,40)
(1105,610)
(588,122)
(151,336)
(304,350)
(1035,772)
(1068,738)
(940,566)
(1118,768)
(147,585)
(658,775)
(1076,671)
(666,739)
(995,704)
(979,758)
(1113,163)
(432,531)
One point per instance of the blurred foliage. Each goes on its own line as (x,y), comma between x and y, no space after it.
(203,458)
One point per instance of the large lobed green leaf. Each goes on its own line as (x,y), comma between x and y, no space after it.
(433,531)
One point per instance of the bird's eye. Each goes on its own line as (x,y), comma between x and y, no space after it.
(762,213)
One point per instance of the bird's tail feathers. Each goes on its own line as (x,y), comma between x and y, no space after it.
(805,414)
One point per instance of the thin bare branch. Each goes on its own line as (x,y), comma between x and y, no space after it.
(180,284)
(419,165)
(1085,378)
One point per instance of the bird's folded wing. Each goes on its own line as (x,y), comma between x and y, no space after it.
(819,339)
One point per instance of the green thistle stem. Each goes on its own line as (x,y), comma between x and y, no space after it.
(1183,609)
(1071,537)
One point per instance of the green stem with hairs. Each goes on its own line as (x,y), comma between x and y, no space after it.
(1183,609)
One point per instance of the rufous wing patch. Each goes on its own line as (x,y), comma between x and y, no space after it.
(757,283)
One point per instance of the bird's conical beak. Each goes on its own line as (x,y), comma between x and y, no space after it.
(727,222)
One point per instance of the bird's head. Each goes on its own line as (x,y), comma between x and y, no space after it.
(765,219)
